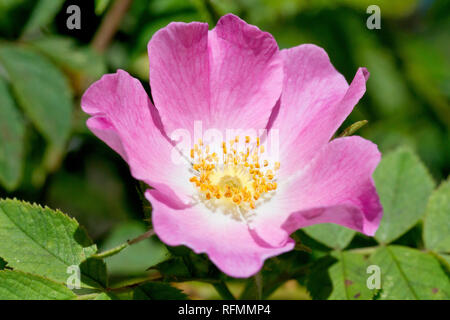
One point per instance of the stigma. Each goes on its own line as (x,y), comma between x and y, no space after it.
(237,179)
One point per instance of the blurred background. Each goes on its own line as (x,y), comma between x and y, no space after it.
(48,156)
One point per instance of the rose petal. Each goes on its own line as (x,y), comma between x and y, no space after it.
(229,77)
(227,242)
(124,117)
(315,101)
(337,187)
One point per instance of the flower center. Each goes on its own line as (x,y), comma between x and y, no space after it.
(238,181)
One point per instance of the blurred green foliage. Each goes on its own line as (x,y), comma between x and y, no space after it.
(47,155)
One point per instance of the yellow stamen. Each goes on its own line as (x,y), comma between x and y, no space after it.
(240,181)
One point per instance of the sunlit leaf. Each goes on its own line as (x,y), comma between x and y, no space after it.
(436,232)
(15,285)
(404,185)
(349,277)
(410,274)
(47,242)
(332,235)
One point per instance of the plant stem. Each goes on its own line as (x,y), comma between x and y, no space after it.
(110,24)
(115,250)
(110,252)
(223,290)
(258,284)
(144,236)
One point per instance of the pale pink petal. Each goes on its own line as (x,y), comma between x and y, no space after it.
(227,242)
(246,74)
(229,77)
(124,117)
(105,131)
(337,187)
(315,101)
(179,74)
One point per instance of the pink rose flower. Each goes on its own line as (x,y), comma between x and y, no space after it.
(239,206)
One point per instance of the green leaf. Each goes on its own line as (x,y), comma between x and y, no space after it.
(66,53)
(42,91)
(317,280)
(12,131)
(349,277)
(137,258)
(410,274)
(436,231)
(15,285)
(173,268)
(46,242)
(2,264)
(332,235)
(43,13)
(158,291)
(404,185)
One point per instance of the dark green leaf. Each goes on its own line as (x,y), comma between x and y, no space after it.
(67,54)
(42,91)
(278,270)
(43,13)
(12,130)
(173,268)
(158,291)
(3,264)
(317,280)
